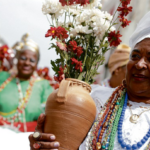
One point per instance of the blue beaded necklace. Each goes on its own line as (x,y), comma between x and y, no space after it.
(120,138)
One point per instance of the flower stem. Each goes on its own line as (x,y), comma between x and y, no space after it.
(48,19)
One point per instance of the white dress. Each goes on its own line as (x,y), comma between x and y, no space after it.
(132,133)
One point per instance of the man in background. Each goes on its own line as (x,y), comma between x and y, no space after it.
(117,66)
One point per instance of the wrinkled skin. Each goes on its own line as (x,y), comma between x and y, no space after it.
(27,64)
(138,72)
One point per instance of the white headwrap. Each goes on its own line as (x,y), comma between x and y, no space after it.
(141,32)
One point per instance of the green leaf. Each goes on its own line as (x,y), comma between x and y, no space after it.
(81,76)
(54,66)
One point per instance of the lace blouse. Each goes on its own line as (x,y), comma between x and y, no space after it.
(132,133)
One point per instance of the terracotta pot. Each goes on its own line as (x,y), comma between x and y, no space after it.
(70,112)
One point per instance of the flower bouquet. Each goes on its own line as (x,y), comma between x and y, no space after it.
(83,34)
(80,34)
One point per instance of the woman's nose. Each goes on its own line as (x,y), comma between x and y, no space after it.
(27,62)
(141,64)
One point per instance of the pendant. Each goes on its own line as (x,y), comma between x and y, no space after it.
(134,118)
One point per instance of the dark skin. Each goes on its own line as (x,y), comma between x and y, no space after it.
(138,73)
(27,64)
(137,84)
(47,141)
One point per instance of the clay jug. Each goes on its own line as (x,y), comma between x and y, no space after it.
(70,112)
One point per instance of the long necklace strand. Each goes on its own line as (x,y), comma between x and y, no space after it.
(110,121)
(5,83)
(113,120)
(114,128)
(91,140)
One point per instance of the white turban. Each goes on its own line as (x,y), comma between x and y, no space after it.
(141,32)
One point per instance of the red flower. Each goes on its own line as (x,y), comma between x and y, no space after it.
(124,21)
(82,2)
(44,73)
(61,33)
(4,53)
(61,75)
(67,2)
(73,44)
(70,2)
(51,32)
(125,2)
(124,10)
(76,49)
(113,38)
(77,63)
(79,51)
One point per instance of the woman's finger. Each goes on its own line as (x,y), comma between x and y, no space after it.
(49,145)
(46,137)
(31,139)
(40,123)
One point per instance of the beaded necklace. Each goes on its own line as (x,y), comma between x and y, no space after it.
(5,83)
(109,120)
(22,102)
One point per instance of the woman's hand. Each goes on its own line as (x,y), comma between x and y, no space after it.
(40,140)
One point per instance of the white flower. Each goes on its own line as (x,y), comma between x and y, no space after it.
(74,12)
(112,28)
(83,29)
(73,32)
(80,29)
(83,17)
(52,7)
(108,16)
(69,24)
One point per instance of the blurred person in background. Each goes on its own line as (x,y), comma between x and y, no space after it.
(23,95)
(117,66)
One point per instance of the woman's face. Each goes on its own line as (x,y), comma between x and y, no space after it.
(138,69)
(27,63)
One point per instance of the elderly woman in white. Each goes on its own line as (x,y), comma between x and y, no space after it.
(124,121)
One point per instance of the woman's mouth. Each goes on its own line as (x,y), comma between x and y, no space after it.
(26,68)
(140,77)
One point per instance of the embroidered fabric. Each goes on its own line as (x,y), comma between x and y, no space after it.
(132,133)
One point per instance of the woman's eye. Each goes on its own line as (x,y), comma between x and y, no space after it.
(32,60)
(135,56)
(23,58)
